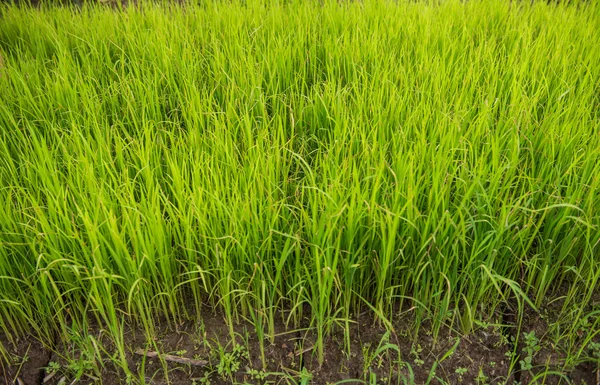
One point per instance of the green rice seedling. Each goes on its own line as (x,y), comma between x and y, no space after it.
(301,160)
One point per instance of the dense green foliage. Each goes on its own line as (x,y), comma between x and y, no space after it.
(301,157)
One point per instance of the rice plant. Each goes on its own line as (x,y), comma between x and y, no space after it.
(277,158)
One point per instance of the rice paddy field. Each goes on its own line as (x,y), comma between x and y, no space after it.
(300,192)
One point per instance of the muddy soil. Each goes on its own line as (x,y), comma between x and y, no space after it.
(482,357)
(25,362)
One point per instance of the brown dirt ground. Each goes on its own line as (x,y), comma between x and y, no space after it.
(484,353)
(27,358)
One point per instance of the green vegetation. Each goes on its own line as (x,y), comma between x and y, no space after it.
(299,160)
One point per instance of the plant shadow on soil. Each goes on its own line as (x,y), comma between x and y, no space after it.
(481,357)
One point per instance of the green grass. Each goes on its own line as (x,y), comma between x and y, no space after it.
(301,156)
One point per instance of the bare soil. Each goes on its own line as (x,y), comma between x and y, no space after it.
(482,357)
(26,359)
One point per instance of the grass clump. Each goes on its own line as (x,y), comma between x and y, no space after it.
(321,158)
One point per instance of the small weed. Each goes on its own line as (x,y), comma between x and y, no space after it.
(532,346)
(204,380)
(595,347)
(461,372)
(52,367)
(230,362)
(481,378)
(260,375)
(305,377)
(416,352)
